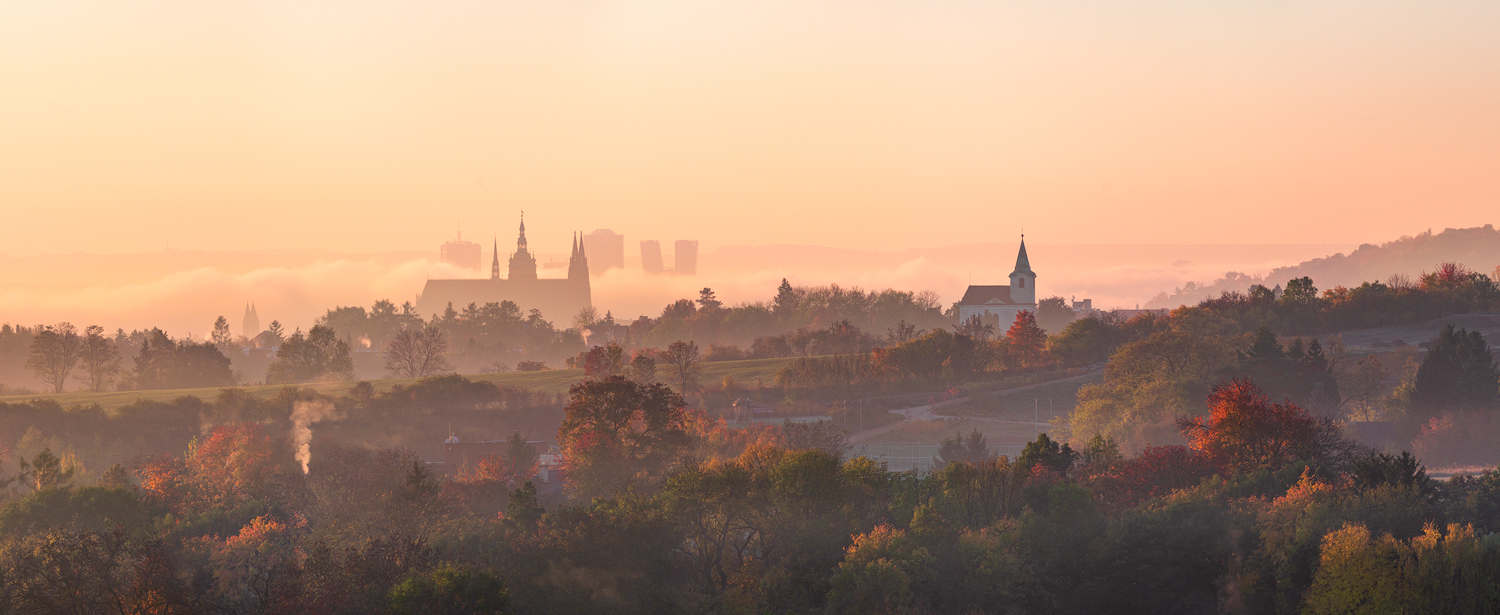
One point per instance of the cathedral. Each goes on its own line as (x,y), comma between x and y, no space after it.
(558,299)
(998,305)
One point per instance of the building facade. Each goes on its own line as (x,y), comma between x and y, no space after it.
(999,305)
(557,299)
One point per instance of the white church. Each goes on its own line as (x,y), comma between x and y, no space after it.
(998,305)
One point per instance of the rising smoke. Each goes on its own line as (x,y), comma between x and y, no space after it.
(304,414)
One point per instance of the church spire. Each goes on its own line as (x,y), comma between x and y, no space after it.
(1023,264)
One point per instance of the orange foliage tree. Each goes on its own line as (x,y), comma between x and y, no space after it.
(1028,343)
(1245,431)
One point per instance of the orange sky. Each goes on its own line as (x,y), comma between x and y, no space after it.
(374,125)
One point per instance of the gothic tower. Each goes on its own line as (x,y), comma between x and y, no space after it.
(578,264)
(1023,279)
(495,264)
(250,326)
(522,263)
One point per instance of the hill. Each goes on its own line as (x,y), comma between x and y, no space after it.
(1478,248)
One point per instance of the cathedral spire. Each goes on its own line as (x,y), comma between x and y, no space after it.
(495,264)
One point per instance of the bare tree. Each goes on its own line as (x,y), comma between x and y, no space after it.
(585,317)
(417,353)
(100,359)
(683,362)
(54,353)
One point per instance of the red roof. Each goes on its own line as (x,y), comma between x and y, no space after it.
(988,295)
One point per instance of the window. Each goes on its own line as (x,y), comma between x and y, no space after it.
(1021,282)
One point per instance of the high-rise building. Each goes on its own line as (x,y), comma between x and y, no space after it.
(606,250)
(460,253)
(686,258)
(651,256)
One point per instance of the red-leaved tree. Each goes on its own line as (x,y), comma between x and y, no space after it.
(1245,431)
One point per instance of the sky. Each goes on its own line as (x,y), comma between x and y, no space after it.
(377,125)
(380,127)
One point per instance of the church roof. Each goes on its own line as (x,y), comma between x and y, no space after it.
(1023,263)
(988,295)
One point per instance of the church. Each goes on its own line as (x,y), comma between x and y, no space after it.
(998,305)
(558,299)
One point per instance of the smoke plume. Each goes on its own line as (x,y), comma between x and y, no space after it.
(304,414)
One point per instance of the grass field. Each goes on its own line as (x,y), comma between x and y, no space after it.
(747,373)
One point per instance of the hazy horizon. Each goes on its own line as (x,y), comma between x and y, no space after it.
(182,291)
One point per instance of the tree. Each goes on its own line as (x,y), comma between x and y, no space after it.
(959,448)
(1053,314)
(785,303)
(1244,431)
(975,328)
(585,317)
(707,301)
(221,335)
(319,356)
(420,353)
(1458,373)
(901,333)
(616,431)
(99,358)
(450,589)
(1045,452)
(45,471)
(1300,291)
(55,350)
(683,364)
(278,333)
(520,454)
(1028,342)
(643,368)
(166,364)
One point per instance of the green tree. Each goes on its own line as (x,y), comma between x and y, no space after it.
(707,300)
(960,448)
(785,303)
(55,350)
(450,590)
(319,356)
(975,328)
(1053,314)
(221,336)
(99,358)
(1458,373)
(1045,452)
(163,363)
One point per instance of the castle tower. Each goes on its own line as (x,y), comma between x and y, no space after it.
(250,326)
(522,263)
(1023,279)
(578,264)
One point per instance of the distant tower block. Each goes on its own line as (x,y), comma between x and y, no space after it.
(606,250)
(460,253)
(250,326)
(686,257)
(651,256)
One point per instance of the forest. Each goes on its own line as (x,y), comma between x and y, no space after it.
(1213,469)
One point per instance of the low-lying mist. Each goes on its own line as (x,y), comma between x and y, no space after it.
(184,292)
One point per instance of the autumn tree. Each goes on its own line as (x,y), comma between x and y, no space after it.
(616,431)
(683,362)
(418,353)
(1028,343)
(1244,430)
(55,350)
(318,356)
(99,359)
